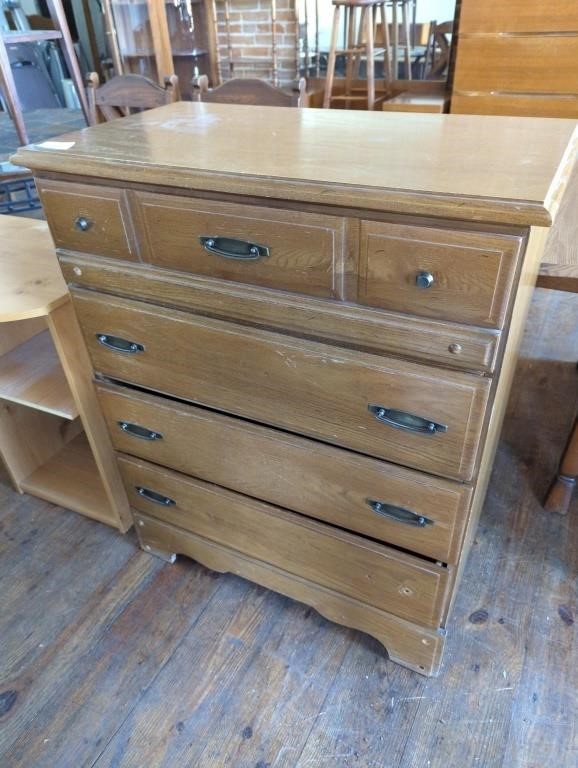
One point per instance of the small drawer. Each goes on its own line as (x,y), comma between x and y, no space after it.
(288,250)
(461,276)
(401,584)
(411,414)
(417,512)
(90,219)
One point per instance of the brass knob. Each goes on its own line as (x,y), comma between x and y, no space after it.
(82,224)
(424,279)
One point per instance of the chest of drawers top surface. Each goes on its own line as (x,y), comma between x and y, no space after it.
(509,170)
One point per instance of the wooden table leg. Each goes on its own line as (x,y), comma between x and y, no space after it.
(560,494)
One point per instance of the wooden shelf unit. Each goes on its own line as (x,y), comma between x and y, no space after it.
(70,479)
(53,439)
(31,374)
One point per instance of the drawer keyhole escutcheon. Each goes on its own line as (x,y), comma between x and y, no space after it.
(118,344)
(406,421)
(135,430)
(231,248)
(424,279)
(82,224)
(399,514)
(156,498)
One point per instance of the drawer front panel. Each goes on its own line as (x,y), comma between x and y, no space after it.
(312,478)
(351,399)
(401,584)
(461,276)
(85,218)
(519,64)
(524,105)
(519,16)
(293,250)
(376,331)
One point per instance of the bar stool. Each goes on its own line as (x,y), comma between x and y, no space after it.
(360,31)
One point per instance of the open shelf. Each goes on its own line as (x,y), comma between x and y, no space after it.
(71,480)
(31,374)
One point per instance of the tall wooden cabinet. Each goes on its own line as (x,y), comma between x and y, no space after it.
(517,58)
(157,38)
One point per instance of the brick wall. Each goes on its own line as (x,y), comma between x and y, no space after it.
(251,39)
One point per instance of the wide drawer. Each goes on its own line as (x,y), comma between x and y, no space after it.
(518,63)
(451,275)
(417,512)
(519,16)
(401,584)
(90,219)
(289,250)
(521,104)
(407,413)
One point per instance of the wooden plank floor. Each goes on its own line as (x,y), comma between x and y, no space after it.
(110,657)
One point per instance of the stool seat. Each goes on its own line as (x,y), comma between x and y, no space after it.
(359,3)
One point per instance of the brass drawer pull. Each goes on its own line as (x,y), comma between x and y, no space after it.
(135,430)
(399,514)
(119,344)
(82,224)
(407,421)
(424,280)
(230,248)
(156,498)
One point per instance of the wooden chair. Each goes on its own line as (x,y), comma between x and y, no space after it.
(250,91)
(125,94)
(440,50)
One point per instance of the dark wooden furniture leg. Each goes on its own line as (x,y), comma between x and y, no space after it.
(8,87)
(560,494)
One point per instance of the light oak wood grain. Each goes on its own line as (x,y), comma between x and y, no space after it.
(401,584)
(105,213)
(521,104)
(67,338)
(29,438)
(381,332)
(307,252)
(507,170)
(31,284)
(312,389)
(519,64)
(314,479)
(31,374)
(71,480)
(472,274)
(518,16)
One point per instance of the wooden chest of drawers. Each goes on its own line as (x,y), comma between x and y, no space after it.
(303,355)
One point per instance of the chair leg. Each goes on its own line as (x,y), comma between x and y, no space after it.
(386,49)
(332,57)
(370,60)
(560,494)
(67,47)
(350,19)
(405,17)
(8,87)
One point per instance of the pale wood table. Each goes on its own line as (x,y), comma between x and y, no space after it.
(53,441)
